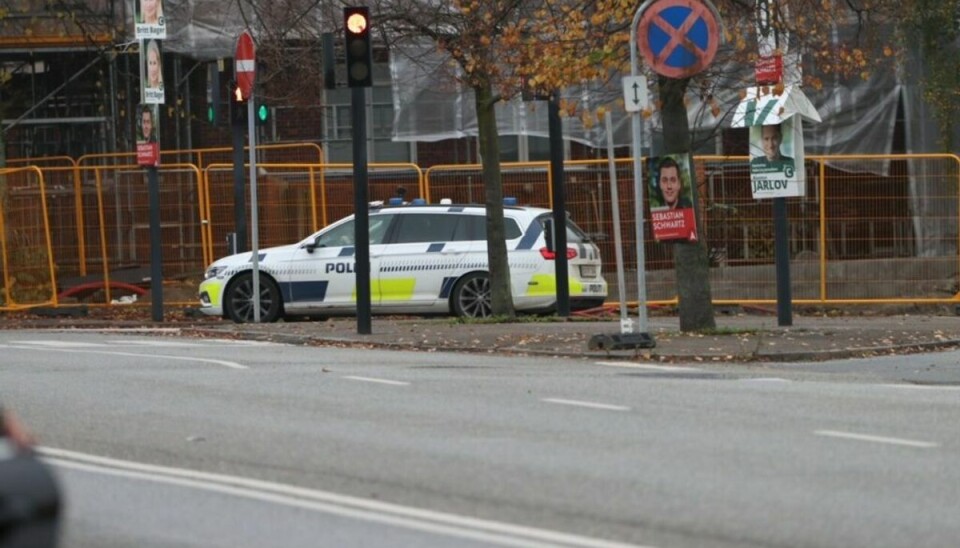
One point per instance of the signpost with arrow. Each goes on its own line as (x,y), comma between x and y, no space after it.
(634,93)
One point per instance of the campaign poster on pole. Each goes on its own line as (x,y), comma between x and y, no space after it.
(148,131)
(671,207)
(777,160)
(150,22)
(151,58)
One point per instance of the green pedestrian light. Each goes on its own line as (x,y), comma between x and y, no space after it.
(263,113)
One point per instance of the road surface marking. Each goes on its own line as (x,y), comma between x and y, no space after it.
(632,365)
(225,363)
(380,381)
(923,386)
(876,439)
(430,521)
(591,405)
(61,344)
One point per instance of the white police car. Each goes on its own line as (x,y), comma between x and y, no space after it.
(423,259)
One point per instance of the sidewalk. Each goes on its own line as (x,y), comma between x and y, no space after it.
(741,338)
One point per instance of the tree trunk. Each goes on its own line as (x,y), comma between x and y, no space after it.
(690,259)
(500,292)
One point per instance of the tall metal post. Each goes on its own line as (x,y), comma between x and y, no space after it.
(239,182)
(361,215)
(254,214)
(561,264)
(637,131)
(156,251)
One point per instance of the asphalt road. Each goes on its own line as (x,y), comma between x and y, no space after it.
(161,441)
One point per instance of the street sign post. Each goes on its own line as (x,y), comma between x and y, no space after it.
(244,67)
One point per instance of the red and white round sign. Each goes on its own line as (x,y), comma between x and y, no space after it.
(245,67)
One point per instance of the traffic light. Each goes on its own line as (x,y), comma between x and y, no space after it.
(238,107)
(213,93)
(262,112)
(356,26)
(329,62)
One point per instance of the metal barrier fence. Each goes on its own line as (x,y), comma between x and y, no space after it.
(202,157)
(295,200)
(28,273)
(872,229)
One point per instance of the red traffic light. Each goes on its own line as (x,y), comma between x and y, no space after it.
(356,29)
(357,22)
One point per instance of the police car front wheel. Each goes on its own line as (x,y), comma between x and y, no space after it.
(238,299)
(471,296)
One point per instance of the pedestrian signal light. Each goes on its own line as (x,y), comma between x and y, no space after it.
(263,114)
(356,24)
(238,107)
(213,93)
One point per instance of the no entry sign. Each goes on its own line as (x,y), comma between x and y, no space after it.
(678,38)
(245,66)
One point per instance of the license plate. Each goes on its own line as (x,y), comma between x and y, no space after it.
(593,288)
(588,271)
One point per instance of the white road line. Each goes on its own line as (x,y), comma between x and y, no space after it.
(61,344)
(948,387)
(232,365)
(591,405)
(876,439)
(500,533)
(380,381)
(633,365)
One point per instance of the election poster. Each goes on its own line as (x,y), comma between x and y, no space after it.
(671,205)
(148,142)
(776,160)
(149,21)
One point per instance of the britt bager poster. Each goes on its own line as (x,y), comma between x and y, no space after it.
(671,206)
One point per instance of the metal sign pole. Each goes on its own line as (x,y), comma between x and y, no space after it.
(254,217)
(626,324)
(637,130)
(626,338)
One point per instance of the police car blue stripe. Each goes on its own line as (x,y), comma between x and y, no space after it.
(447,287)
(347,252)
(307,291)
(435,248)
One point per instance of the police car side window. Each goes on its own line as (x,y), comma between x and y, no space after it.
(477,228)
(343,235)
(426,227)
(339,236)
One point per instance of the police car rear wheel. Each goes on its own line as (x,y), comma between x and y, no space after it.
(471,296)
(238,300)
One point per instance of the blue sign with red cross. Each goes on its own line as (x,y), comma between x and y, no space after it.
(678,38)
